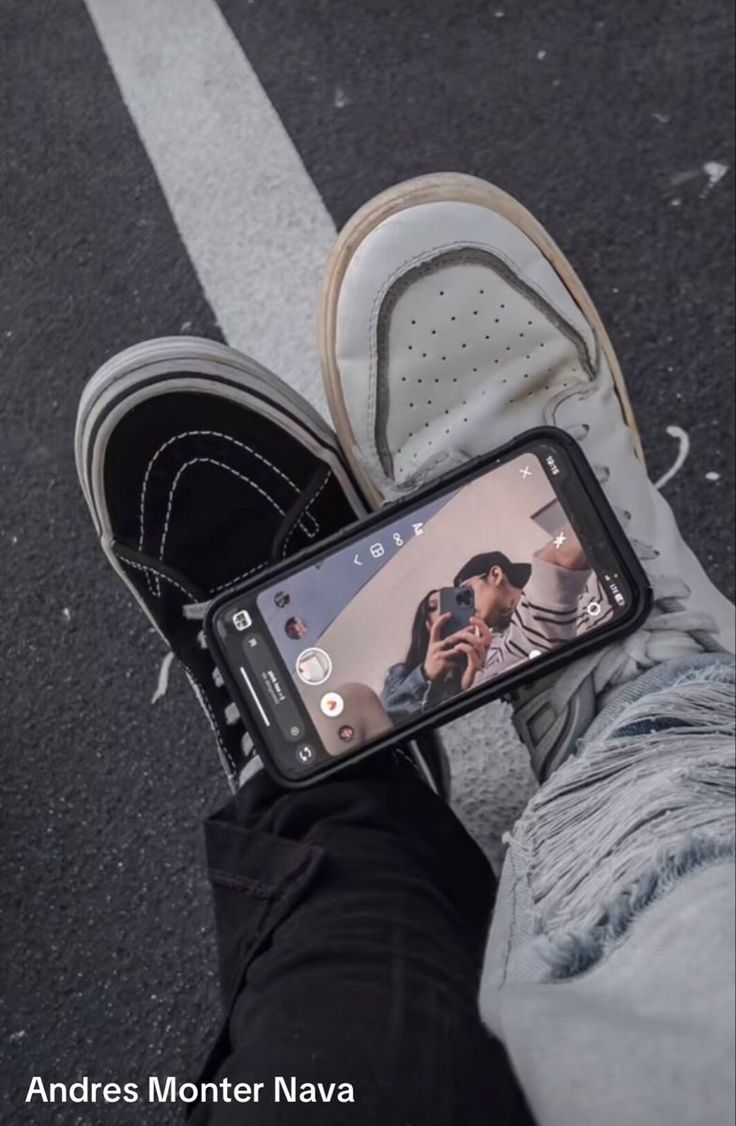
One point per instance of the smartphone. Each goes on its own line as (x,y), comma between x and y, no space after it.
(326,654)
(460,602)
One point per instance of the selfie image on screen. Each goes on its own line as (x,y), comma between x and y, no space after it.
(467,587)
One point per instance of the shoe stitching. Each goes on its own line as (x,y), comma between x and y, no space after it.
(203,433)
(208,434)
(260,566)
(252,571)
(294,526)
(236,473)
(159,575)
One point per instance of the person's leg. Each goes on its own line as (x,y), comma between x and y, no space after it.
(611,955)
(607,976)
(180,445)
(451,322)
(351,923)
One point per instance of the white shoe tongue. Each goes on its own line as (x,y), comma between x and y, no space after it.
(466,360)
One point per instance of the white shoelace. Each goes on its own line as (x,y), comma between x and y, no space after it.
(195,612)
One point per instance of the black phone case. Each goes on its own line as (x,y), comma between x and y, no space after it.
(457,706)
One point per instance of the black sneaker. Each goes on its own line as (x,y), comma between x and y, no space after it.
(200,468)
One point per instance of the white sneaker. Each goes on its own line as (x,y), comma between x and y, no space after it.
(451,322)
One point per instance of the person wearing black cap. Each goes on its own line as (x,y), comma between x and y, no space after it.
(497,584)
(521,610)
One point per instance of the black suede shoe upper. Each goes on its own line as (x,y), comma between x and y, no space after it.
(203,493)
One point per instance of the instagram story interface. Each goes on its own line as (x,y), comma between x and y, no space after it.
(461,590)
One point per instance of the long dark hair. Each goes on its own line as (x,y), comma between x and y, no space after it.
(419,633)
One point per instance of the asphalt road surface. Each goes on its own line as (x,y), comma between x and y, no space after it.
(168,166)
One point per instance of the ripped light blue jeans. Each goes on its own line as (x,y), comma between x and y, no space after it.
(609,973)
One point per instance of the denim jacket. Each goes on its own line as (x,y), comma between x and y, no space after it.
(407,692)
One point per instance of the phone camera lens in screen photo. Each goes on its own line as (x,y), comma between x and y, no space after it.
(465,588)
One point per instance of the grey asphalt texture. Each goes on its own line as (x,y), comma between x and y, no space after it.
(600,118)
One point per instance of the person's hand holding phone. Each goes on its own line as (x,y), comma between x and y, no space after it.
(438,661)
(444,654)
(474,643)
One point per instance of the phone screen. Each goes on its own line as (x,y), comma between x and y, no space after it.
(436,603)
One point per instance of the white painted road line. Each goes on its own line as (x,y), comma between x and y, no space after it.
(252,221)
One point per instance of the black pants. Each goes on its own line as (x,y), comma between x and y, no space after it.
(351,921)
